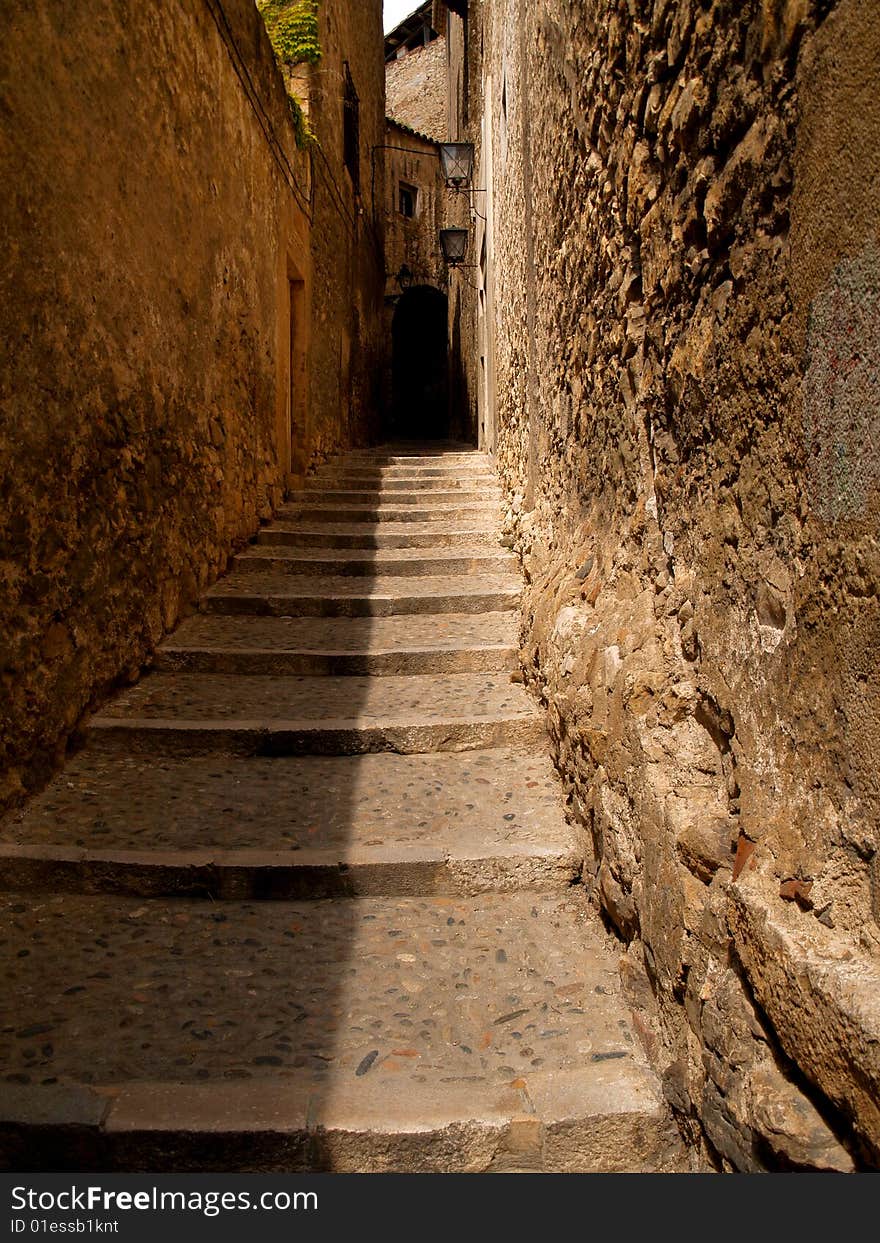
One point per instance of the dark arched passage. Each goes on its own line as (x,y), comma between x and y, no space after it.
(420,387)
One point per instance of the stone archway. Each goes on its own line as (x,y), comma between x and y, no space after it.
(420,384)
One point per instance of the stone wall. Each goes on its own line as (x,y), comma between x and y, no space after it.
(416,89)
(686,286)
(347,242)
(156,240)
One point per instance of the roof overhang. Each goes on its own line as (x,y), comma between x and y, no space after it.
(413,31)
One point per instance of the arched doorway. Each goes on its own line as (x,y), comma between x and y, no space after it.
(419,368)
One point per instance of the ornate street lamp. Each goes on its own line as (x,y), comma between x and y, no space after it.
(457,162)
(453,243)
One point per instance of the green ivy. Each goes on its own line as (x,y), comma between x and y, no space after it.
(304,136)
(293,29)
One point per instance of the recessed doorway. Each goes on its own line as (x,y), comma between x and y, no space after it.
(420,384)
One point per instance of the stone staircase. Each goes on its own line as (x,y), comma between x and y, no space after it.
(305,900)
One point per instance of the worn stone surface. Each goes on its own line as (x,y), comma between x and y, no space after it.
(226,697)
(305,534)
(361,595)
(683,299)
(754,1115)
(455,643)
(458,1010)
(475,484)
(391,495)
(393,634)
(381,987)
(321,803)
(394,512)
(392,563)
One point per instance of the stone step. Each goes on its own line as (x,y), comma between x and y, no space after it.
(473,463)
(319,512)
(191,713)
(450,460)
(303,596)
(424,479)
(298,827)
(393,496)
(436,1034)
(415,644)
(441,448)
(373,563)
(367,535)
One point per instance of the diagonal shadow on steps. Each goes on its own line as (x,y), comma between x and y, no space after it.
(303,901)
(282,749)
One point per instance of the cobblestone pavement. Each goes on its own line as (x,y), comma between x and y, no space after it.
(330,802)
(430,593)
(417,989)
(221,697)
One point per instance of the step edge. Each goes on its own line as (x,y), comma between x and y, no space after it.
(256,858)
(279,1106)
(336,653)
(292,725)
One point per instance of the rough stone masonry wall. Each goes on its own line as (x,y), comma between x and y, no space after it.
(416,89)
(688,306)
(144,232)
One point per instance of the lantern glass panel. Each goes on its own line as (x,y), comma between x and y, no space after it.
(453,243)
(457,162)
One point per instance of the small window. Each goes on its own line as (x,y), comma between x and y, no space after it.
(406,200)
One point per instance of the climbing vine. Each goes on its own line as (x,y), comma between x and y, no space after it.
(293,29)
(302,133)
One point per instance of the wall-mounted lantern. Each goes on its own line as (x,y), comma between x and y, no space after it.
(453,243)
(457,162)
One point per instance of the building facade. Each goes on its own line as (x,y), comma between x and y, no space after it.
(415,71)
(346,112)
(187,326)
(416,385)
(422,393)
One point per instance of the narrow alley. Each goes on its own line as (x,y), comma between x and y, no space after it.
(440,588)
